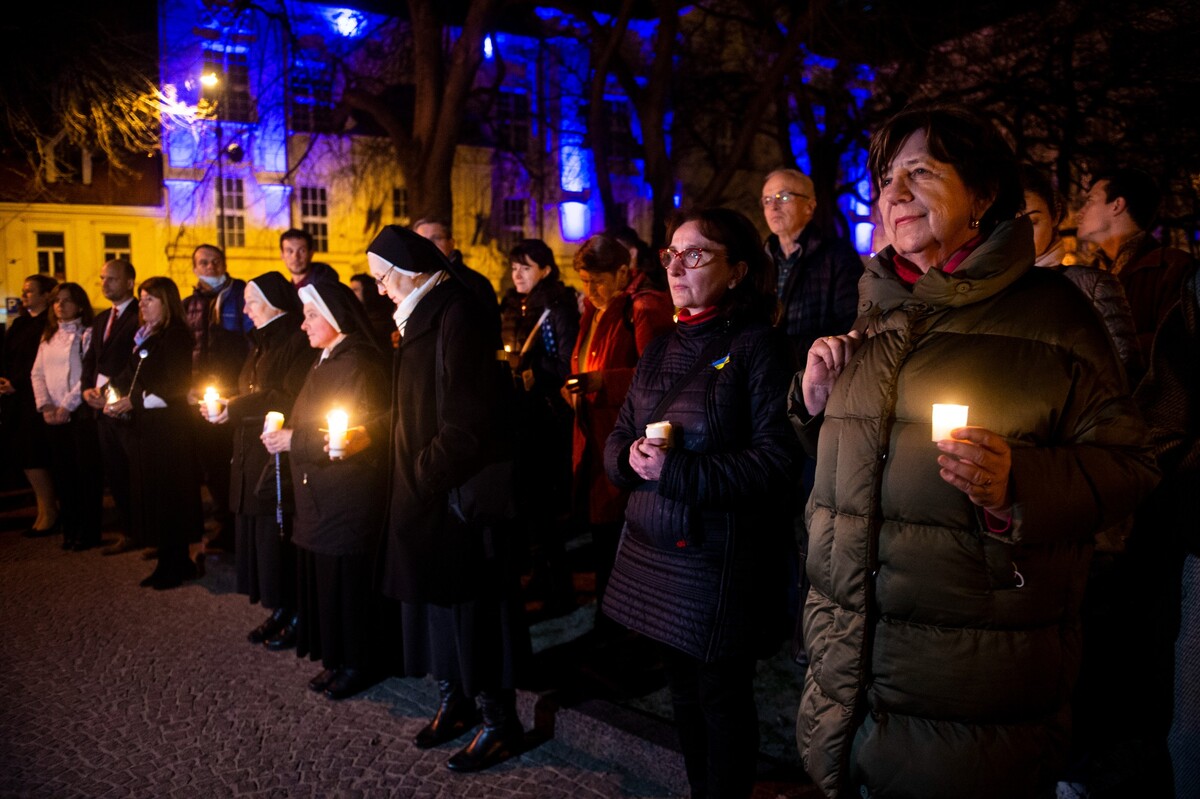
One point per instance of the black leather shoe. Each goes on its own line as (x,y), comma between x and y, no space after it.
(34,532)
(273,624)
(347,683)
(285,637)
(455,715)
(491,745)
(124,544)
(149,581)
(150,554)
(322,680)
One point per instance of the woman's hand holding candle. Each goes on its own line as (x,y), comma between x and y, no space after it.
(978,462)
(277,441)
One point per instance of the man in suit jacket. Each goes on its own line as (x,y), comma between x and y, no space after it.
(112,339)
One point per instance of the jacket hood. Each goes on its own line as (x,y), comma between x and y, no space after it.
(995,265)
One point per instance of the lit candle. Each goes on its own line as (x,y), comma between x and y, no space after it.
(508,348)
(212,402)
(273,422)
(947,418)
(111,395)
(338,422)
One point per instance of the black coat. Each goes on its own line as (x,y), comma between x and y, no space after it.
(339,504)
(431,556)
(109,358)
(270,380)
(166,371)
(702,560)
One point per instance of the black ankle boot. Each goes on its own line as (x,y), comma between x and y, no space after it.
(500,737)
(286,636)
(455,715)
(272,625)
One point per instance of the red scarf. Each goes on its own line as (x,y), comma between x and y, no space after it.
(907,271)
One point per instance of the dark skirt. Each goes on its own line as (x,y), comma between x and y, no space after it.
(337,609)
(166,488)
(483,645)
(266,562)
(29,444)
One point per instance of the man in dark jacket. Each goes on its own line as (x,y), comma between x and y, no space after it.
(112,340)
(817,274)
(296,249)
(221,327)
(1117,215)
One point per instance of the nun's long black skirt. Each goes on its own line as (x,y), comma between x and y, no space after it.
(483,644)
(337,609)
(266,562)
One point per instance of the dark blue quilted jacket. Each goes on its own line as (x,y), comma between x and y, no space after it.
(702,559)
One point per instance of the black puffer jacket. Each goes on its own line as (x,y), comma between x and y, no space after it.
(702,559)
(549,356)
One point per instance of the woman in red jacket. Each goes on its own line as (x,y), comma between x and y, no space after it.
(616,326)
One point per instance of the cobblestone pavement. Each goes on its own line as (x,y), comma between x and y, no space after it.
(111,690)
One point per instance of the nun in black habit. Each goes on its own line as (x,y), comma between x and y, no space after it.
(339,500)
(449,564)
(269,381)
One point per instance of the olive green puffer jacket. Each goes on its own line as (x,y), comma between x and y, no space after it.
(943,655)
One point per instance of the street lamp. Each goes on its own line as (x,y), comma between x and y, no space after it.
(234,152)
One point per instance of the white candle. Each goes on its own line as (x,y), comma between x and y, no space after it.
(111,394)
(947,418)
(212,402)
(338,423)
(273,422)
(659,434)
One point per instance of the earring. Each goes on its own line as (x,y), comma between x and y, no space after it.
(973,224)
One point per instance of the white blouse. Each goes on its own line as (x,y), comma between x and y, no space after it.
(58,370)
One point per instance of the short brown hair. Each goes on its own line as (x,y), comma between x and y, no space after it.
(165,291)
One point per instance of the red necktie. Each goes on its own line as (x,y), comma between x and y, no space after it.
(112,317)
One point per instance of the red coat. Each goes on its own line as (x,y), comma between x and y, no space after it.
(629,323)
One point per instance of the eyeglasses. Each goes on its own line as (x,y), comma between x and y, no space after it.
(379,281)
(782,198)
(691,258)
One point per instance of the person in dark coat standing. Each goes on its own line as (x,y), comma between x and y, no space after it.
(445,557)
(24,428)
(701,564)
(339,498)
(269,381)
(112,339)
(153,389)
(616,328)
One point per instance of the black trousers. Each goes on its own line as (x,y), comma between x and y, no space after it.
(114,455)
(717,722)
(75,467)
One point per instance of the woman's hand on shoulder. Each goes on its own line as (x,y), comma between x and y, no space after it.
(978,462)
(827,357)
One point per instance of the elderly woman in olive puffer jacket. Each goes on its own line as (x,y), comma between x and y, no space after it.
(947,575)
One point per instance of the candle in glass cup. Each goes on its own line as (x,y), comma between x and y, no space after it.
(212,402)
(338,423)
(947,418)
(273,422)
(111,395)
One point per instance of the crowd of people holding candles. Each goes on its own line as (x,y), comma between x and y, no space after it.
(997,529)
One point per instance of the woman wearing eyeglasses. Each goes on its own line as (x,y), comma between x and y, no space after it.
(702,562)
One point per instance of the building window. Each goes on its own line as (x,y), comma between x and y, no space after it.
(52,255)
(622,145)
(314,216)
(117,245)
(513,212)
(400,213)
(512,122)
(232,91)
(233,221)
(312,96)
